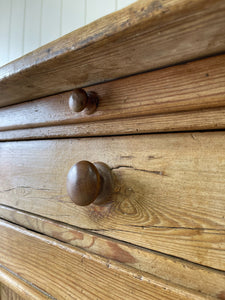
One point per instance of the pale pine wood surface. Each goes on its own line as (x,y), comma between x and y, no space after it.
(138,38)
(65,272)
(193,86)
(168,195)
(195,277)
(20,288)
(205,119)
(8,294)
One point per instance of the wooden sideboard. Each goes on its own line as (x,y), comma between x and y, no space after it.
(143,91)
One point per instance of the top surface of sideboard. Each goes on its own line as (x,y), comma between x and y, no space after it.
(144,36)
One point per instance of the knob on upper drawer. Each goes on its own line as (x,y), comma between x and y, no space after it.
(89,183)
(80,100)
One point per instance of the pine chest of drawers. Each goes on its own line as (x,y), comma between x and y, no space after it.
(143,92)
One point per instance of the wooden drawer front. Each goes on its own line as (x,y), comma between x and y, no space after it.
(194,86)
(72,273)
(169,192)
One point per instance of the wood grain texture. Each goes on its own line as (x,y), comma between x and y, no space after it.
(8,294)
(168,196)
(195,277)
(144,36)
(192,86)
(206,119)
(20,288)
(75,274)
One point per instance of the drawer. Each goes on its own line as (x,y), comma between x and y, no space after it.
(168,193)
(184,97)
(70,272)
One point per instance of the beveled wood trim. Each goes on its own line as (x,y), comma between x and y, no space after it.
(166,267)
(192,86)
(21,287)
(144,36)
(206,119)
(66,271)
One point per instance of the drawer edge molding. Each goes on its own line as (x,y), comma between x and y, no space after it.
(205,119)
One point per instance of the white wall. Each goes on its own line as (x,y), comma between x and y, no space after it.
(28,24)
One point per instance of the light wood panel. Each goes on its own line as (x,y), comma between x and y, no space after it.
(192,86)
(19,288)
(195,277)
(4,30)
(50,27)
(98,8)
(16,29)
(182,121)
(32,26)
(138,38)
(73,15)
(123,3)
(8,294)
(75,274)
(168,196)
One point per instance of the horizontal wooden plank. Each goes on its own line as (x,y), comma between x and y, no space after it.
(168,195)
(206,119)
(19,288)
(192,86)
(195,277)
(144,36)
(68,272)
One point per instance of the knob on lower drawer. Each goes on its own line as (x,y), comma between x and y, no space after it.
(89,183)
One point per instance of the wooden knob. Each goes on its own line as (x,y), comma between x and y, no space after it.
(80,100)
(89,183)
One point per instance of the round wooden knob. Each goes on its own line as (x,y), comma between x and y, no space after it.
(80,100)
(89,183)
